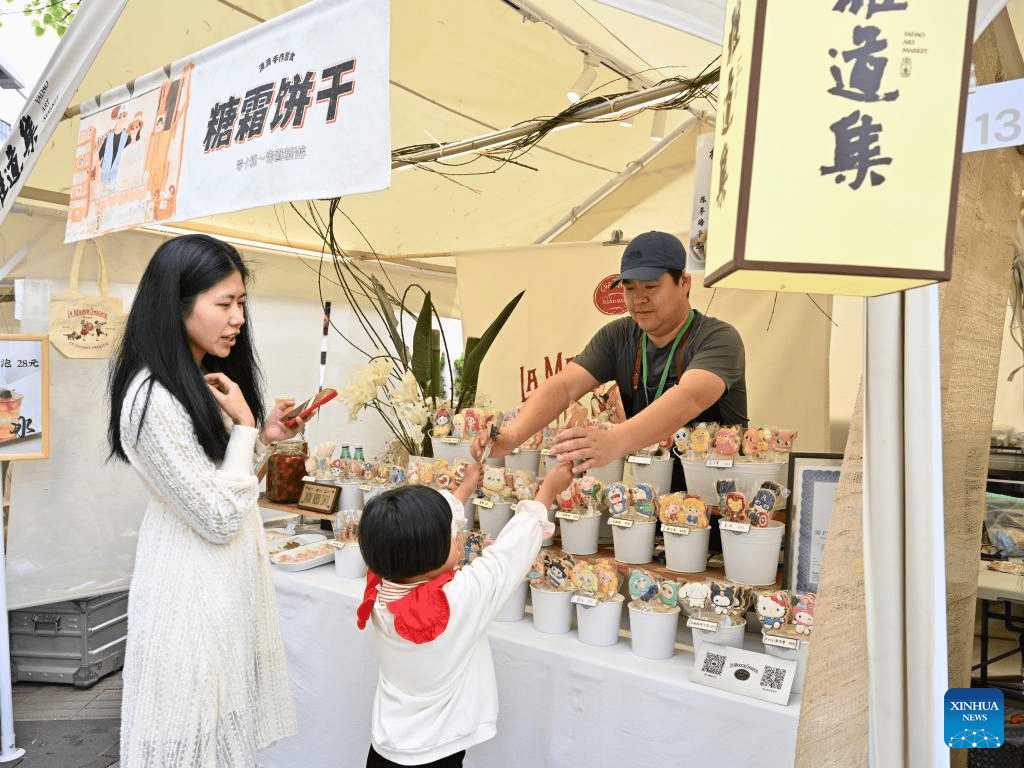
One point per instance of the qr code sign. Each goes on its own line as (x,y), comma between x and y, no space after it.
(714,663)
(773,678)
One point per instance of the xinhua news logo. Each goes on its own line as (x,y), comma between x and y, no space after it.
(974,718)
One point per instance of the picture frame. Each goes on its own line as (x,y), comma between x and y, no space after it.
(813,480)
(24,397)
(318,497)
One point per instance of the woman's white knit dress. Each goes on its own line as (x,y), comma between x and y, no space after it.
(205,680)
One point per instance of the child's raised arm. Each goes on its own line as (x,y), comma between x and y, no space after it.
(470,480)
(557,479)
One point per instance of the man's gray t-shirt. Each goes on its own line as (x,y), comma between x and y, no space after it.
(712,345)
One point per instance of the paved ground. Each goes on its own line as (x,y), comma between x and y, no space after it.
(60,726)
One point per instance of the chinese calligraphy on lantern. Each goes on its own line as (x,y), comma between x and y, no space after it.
(859,75)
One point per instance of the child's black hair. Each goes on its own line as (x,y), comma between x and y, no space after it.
(405,532)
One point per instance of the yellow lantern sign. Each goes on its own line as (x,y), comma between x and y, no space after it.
(837,144)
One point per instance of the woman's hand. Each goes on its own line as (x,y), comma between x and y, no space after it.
(230,398)
(275,428)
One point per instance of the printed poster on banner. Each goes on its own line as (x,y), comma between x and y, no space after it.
(278,113)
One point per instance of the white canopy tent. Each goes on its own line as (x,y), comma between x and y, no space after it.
(458,70)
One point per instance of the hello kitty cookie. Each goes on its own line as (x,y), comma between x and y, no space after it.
(772,608)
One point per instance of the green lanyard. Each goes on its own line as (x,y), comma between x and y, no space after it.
(668,360)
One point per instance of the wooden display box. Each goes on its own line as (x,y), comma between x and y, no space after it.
(74,642)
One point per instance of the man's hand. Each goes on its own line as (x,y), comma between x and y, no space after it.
(586,447)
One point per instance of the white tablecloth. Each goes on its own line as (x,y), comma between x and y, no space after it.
(563,704)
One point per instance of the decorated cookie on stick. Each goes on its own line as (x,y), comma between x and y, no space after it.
(772,608)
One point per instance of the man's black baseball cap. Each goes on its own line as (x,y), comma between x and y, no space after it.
(650,254)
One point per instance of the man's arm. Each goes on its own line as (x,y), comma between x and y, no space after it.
(541,407)
(696,391)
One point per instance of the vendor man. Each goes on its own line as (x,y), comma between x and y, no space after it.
(674,367)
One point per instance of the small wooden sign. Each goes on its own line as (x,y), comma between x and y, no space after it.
(318,497)
(781,641)
(732,525)
(705,624)
(719,463)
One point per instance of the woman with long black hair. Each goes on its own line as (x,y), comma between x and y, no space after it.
(205,680)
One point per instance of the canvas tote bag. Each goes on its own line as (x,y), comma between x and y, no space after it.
(86,326)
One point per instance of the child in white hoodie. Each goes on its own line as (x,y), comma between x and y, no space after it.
(436,693)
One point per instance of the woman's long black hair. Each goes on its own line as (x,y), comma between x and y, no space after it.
(155,339)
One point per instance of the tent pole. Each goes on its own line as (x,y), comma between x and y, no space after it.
(600,194)
(8,751)
(925,554)
(636,100)
(884,530)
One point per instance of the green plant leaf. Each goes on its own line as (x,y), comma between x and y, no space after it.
(421,366)
(389,317)
(476,351)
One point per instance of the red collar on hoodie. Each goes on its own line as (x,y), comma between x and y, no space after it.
(420,616)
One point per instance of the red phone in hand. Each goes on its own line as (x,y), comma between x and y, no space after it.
(308,407)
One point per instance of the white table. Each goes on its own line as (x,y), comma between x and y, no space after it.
(562,703)
(1005,588)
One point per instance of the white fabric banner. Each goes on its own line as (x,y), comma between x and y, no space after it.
(786,336)
(283,111)
(51,95)
(696,254)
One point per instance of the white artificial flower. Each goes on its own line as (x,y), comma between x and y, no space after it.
(359,391)
(381,369)
(415,413)
(408,390)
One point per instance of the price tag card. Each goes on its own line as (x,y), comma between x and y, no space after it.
(620,523)
(678,530)
(567,515)
(450,440)
(732,525)
(365,487)
(748,673)
(545,451)
(581,599)
(781,641)
(719,463)
(639,459)
(485,503)
(705,624)
(515,451)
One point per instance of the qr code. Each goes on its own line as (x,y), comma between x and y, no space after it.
(714,663)
(773,678)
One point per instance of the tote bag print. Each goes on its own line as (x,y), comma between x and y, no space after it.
(86,326)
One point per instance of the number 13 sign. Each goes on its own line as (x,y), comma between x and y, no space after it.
(995,116)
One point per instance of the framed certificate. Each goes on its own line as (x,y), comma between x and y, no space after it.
(813,480)
(318,497)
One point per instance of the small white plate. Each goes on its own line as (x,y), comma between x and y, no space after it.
(291,543)
(319,553)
